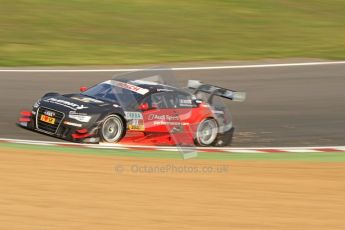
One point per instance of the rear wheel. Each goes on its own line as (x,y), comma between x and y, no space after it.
(206,132)
(112,129)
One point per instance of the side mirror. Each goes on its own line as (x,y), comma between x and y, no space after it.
(83,89)
(144,106)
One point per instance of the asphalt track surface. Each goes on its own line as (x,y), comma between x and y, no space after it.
(285,106)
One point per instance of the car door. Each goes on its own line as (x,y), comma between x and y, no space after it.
(160,114)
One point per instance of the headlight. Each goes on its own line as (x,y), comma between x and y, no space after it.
(81,118)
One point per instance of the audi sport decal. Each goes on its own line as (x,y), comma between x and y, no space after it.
(163,117)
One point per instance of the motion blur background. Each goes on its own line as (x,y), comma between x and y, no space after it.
(111,32)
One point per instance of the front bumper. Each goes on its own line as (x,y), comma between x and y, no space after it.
(64,128)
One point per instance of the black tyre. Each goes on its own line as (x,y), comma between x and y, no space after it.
(112,129)
(206,132)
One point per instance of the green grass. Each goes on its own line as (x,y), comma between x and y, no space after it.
(311,157)
(86,32)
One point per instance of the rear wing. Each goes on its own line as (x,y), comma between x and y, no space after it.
(216,91)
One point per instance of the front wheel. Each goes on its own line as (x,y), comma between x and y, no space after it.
(206,132)
(112,129)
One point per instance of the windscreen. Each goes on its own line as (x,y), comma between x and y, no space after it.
(116,92)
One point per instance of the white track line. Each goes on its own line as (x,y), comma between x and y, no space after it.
(175,68)
(172,148)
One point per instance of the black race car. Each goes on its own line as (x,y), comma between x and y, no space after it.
(111,110)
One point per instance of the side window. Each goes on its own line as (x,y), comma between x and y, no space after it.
(184,100)
(165,100)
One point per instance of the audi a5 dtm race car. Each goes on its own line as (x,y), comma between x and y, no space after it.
(136,110)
